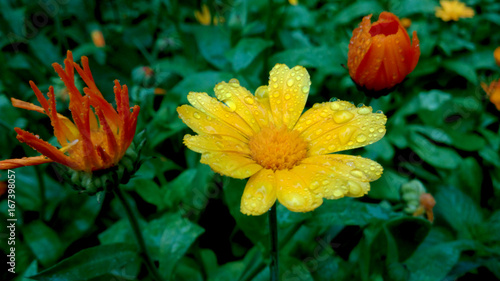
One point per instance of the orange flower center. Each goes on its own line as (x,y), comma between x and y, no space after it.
(386,28)
(277,149)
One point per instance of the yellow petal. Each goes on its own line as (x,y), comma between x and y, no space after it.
(337,126)
(244,103)
(288,91)
(259,194)
(224,113)
(294,191)
(231,164)
(341,175)
(208,143)
(202,123)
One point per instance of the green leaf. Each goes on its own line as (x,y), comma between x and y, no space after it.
(469,177)
(411,7)
(347,211)
(90,263)
(250,225)
(433,263)
(441,157)
(246,51)
(462,68)
(213,42)
(464,141)
(387,187)
(356,11)
(177,237)
(459,210)
(323,57)
(199,82)
(408,233)
(43,241)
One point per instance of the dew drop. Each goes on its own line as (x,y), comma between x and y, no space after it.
(361,138)
(290,82)
(333,99)
(338,193)
(357,173)
(334,106)
(305,89)
(287,96)
(342,116)
(249,100)
(197,115)
(379,111)
(364,110)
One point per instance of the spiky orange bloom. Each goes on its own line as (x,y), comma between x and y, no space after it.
(381,54)
(496,55)
(493,91)
(89,143)
(453,10)
(286,155)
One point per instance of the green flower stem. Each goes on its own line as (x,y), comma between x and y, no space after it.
(273,231)
(138,235)
(43,200)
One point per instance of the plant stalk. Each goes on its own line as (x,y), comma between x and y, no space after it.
(138,235)
(273,231)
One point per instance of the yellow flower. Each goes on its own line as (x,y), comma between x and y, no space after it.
(453,10)
(496,54)
(406,22)
(493,91)
(285,154)
(293,2)
(205,18)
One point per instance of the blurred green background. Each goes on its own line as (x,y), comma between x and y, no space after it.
(442,130)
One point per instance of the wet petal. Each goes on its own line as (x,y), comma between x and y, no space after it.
(342,175)
(337,126)
(244,103)
(202,123)
(288,91)
(259,194)
(27,161)
(231,164)
(294,191)
(211,143)
(220,111)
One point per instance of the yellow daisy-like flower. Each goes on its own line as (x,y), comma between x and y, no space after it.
(293,2)
(205,18)
(286,155)
(453,10)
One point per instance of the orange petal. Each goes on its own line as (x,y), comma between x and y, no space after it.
(27,161)
(46,149)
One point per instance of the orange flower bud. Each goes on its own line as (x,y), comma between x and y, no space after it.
(496,54)
(98,38)
(381,54)
(493,91)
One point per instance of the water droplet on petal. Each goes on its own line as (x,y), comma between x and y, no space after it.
(357,173)
(342,116)
(290,82)
(333,99)
(197,115)
(305,89)
(364,110)
(249,100)
(287,96)
(361,138)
